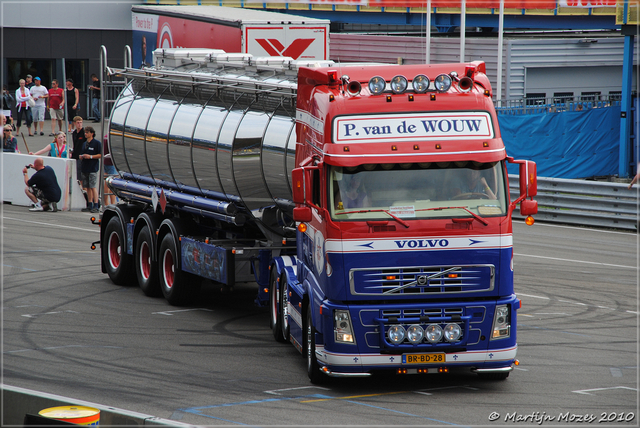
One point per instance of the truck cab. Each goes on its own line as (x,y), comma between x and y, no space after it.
(405,257)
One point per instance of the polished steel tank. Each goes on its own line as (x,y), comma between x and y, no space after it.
(210,125)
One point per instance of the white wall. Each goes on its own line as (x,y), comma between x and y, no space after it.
(12,189)
(75,14)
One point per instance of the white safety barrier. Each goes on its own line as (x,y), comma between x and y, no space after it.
(13,186)
(583,202)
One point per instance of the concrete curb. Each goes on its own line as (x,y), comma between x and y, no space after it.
(17,402)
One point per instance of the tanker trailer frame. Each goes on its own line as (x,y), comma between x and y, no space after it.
(238,169)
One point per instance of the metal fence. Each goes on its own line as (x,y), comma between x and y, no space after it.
(555,104)
(582,202)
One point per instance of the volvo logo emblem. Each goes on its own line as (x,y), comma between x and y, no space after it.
(422,279)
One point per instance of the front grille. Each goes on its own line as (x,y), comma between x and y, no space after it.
(427,280)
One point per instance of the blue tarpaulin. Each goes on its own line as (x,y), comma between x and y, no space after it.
(570,144)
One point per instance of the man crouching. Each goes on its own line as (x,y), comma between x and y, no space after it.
(42,188)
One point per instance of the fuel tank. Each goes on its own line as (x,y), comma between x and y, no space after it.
(216,126)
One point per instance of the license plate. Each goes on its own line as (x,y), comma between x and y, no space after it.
(423,358)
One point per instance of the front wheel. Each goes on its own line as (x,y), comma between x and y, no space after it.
(146,267)
(114,254)
(313,369)
(274,302)
(177,286)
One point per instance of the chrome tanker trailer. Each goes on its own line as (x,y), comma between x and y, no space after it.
(337,189)
(204,144)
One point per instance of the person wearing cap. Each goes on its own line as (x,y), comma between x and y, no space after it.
(39,94)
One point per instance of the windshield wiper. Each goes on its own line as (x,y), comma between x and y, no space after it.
(476,216)
(396,218)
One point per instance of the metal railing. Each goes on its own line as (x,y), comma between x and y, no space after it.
(556,104)
(582,202)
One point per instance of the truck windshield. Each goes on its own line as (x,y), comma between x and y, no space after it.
(417,191)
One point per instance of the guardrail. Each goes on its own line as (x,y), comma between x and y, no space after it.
(582,202)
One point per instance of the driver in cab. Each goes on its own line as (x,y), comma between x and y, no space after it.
(470,184)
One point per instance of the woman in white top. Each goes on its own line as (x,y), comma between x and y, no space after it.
(22,96)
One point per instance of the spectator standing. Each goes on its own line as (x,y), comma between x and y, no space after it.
(22,96)
(72,100)
(42,188)
(7,102)
(29,82)
(56,105)
(78,139)
(91,154)
(40,95)
(95,97)
(9,142)
(58,148)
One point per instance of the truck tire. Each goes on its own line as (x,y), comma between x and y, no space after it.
(118,263)
(284,307)
(274,303)
(146,267)
(313,369)
(177,286)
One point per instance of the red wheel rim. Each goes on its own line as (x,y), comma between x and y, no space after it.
(145,261)
(167,265)
(114,250)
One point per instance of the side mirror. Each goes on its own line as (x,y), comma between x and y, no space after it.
(528,179)
(527,207)
(302,214)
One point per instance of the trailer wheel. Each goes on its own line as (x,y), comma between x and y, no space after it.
(274,302)
(313,369)
(117,261)
(146,268)
(284,307)
(177,286)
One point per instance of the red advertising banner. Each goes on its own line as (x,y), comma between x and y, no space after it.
(180,32)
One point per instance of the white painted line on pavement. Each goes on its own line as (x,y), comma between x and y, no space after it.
(54,225)
(577,261)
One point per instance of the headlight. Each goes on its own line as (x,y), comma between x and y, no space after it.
(420,83)
(342,326)
(452,332)
(377,85)
(433,333)
(415,334)
(399,84)
(501,323)
(442,82)
(396,334)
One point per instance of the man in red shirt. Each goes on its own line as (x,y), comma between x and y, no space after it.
(56,107)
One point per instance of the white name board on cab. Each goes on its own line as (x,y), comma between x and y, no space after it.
(412,127)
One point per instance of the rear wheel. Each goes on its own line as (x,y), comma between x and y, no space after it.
(274,302)
(313,369)
(177,286)
(146,268)
(114,254)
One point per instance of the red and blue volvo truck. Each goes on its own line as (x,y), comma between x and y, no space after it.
(370,203)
